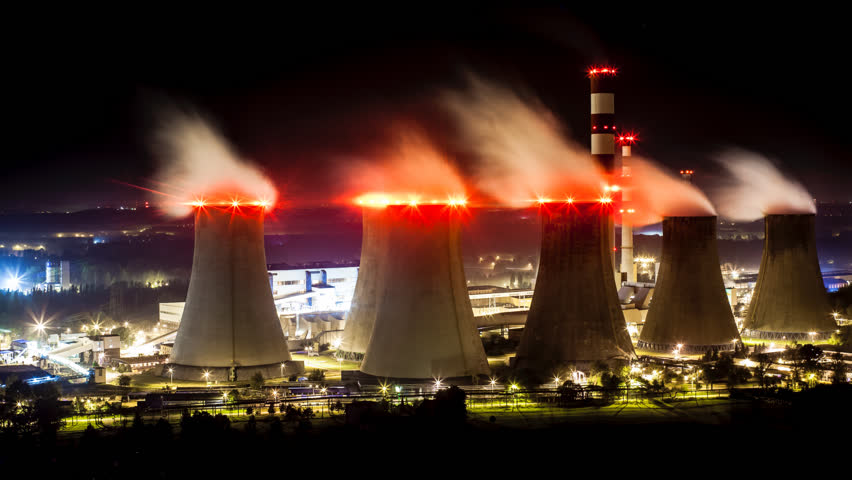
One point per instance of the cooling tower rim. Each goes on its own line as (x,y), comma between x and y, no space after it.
(787,336)
(685,347)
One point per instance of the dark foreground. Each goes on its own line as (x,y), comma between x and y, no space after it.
(612,439)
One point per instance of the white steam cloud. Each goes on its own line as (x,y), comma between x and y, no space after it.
(757,188)
(199,163)
(520,150)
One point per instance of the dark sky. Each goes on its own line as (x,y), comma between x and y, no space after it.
(294,89)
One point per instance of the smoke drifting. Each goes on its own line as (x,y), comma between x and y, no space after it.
(408,168)
(199,163)
(519,148)
(655,194)
(757,188)
(521,154)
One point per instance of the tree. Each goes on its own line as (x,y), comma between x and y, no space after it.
(764,363)
(838,369)
(257,381)
(124,381)
(317,375)
(271,409)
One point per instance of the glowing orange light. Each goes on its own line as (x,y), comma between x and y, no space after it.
(630,210)
(605,200)
(570,200)
(602,71)
(198,203)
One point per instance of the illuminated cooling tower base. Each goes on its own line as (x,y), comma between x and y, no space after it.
(575,317)
(690,311)
(789,301)
(229,329)
(424,326)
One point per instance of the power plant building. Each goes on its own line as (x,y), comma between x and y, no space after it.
(789,301)
(229,329)
(424,325)
(690,311)
(575,317)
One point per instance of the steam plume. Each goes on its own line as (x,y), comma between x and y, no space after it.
(521,153)
(409,167)
(757,188)
(199,162)
(657,193)
(520,150)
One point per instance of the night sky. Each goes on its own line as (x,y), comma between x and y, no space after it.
(297,91)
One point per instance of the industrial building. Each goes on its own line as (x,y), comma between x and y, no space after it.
(690,312)
(789,301)
(229,329)
(575,317)
(424,325)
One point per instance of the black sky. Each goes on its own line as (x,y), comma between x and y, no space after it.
(296,90)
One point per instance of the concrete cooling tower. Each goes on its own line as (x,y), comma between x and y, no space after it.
(362,314)
(690,307)
(229,327)
(424,325)
(789,301)
(575,316)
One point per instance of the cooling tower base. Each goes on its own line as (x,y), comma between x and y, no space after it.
(227,374)
(685,348)
(782,336)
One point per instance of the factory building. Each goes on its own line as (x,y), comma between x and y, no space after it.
(789,301)
(575,317)
(424,325)
(690,311)
(229,329)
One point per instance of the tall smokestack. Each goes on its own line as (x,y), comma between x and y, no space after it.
(628,269)
(689,307)
(575,316)
(602,80)
(789,301)
(424,324)
(362,314)
(603,116)
(230,327)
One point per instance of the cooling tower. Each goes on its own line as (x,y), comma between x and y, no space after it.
(362,314)
(230,327)
(690,307)
(575,316)
(424,326)
(789,301)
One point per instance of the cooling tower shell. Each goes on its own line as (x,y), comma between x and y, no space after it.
(424,325)
(690,307)
(362,314)
(789,301)
(575,317)
(230,326)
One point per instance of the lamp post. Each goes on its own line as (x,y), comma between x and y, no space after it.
(282,369)
(171,375)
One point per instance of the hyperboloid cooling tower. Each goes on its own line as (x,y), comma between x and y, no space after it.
(789,301)
(229,328)
(690,307)
(424,326)
(362,314)
(575,317)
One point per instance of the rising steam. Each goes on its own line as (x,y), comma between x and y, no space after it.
(519,148)
(757,188)
(199,163)
(654,193)
(407,168)
(521,153)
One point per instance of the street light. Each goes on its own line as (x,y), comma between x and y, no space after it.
(171,375)
(282,369)
(207,376)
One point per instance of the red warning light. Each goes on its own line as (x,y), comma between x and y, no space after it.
(602,70)
(628,138)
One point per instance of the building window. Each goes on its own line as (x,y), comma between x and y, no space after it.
(292,282)
(337,280)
